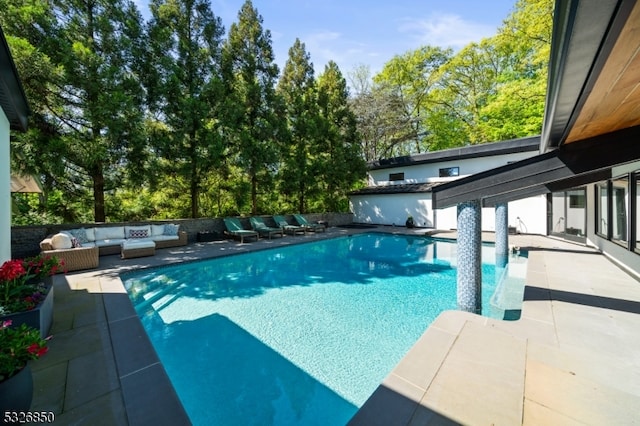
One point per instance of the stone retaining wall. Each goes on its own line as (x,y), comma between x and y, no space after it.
(25,240)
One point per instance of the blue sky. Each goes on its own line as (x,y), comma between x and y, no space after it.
(369,32)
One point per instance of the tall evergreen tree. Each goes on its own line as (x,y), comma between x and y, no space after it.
(184,87)
(342,163)
(98,115)
(251,74)
(80,72)
(300,152)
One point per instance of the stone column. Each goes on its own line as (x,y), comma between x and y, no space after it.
(502,230)
(470,257)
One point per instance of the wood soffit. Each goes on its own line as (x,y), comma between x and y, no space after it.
(614,101)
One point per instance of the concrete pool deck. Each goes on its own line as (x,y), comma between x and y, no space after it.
(572,358)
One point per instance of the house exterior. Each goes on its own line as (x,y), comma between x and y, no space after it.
(588,163)
(15,110)
(402,186)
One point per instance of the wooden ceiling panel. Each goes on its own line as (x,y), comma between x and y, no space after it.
(614,102)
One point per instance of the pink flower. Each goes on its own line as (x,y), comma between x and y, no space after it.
(37,350)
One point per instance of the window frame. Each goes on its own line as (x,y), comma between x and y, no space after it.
(598,208)
(621,242)
(394,177)
(448,171)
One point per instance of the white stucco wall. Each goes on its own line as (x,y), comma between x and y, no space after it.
(392,209)
(528,215)
(425,172)
(5,189)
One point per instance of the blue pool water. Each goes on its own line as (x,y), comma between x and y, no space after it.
(300,334)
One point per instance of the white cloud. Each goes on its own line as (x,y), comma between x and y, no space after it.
(446,30)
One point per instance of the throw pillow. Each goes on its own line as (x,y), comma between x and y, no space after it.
(61,241)
(171,229)
(80,234)
(138,233)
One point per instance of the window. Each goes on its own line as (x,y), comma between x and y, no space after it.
(620,209)
(568,214)
(396,176)
(602,211)
(450,172)
(577,200)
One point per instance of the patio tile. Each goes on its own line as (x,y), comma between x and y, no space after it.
(577,397)
(101,367)
(160,407)
(420,365)
(49,386)
(126,334)
(481,386)
(536,415)
(73,343)
(105,410)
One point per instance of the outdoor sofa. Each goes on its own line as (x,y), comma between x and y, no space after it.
(80,248)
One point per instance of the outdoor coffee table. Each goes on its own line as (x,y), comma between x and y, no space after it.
(137,248)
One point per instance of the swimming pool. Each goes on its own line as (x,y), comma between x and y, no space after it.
(301,334)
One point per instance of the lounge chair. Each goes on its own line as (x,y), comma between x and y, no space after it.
(314,227)
(235,229)
(259,226)
(287,228)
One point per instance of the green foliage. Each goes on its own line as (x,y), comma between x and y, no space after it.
(300,151)
(430,99)
(169,120)
(184,87)
(254,116)
(340,164)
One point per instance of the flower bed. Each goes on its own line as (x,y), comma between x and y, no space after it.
(26,292)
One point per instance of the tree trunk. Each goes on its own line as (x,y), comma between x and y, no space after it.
(254,194)
(98,195)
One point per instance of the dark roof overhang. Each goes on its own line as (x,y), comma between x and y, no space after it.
(572,164)
(405,188)
(12,98)
(527,144)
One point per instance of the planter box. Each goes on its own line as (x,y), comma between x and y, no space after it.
(40,317)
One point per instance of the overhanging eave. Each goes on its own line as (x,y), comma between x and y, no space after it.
(579,161)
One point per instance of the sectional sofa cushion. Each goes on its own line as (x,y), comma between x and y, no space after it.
(165,238)
(110,233)
(157,230)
